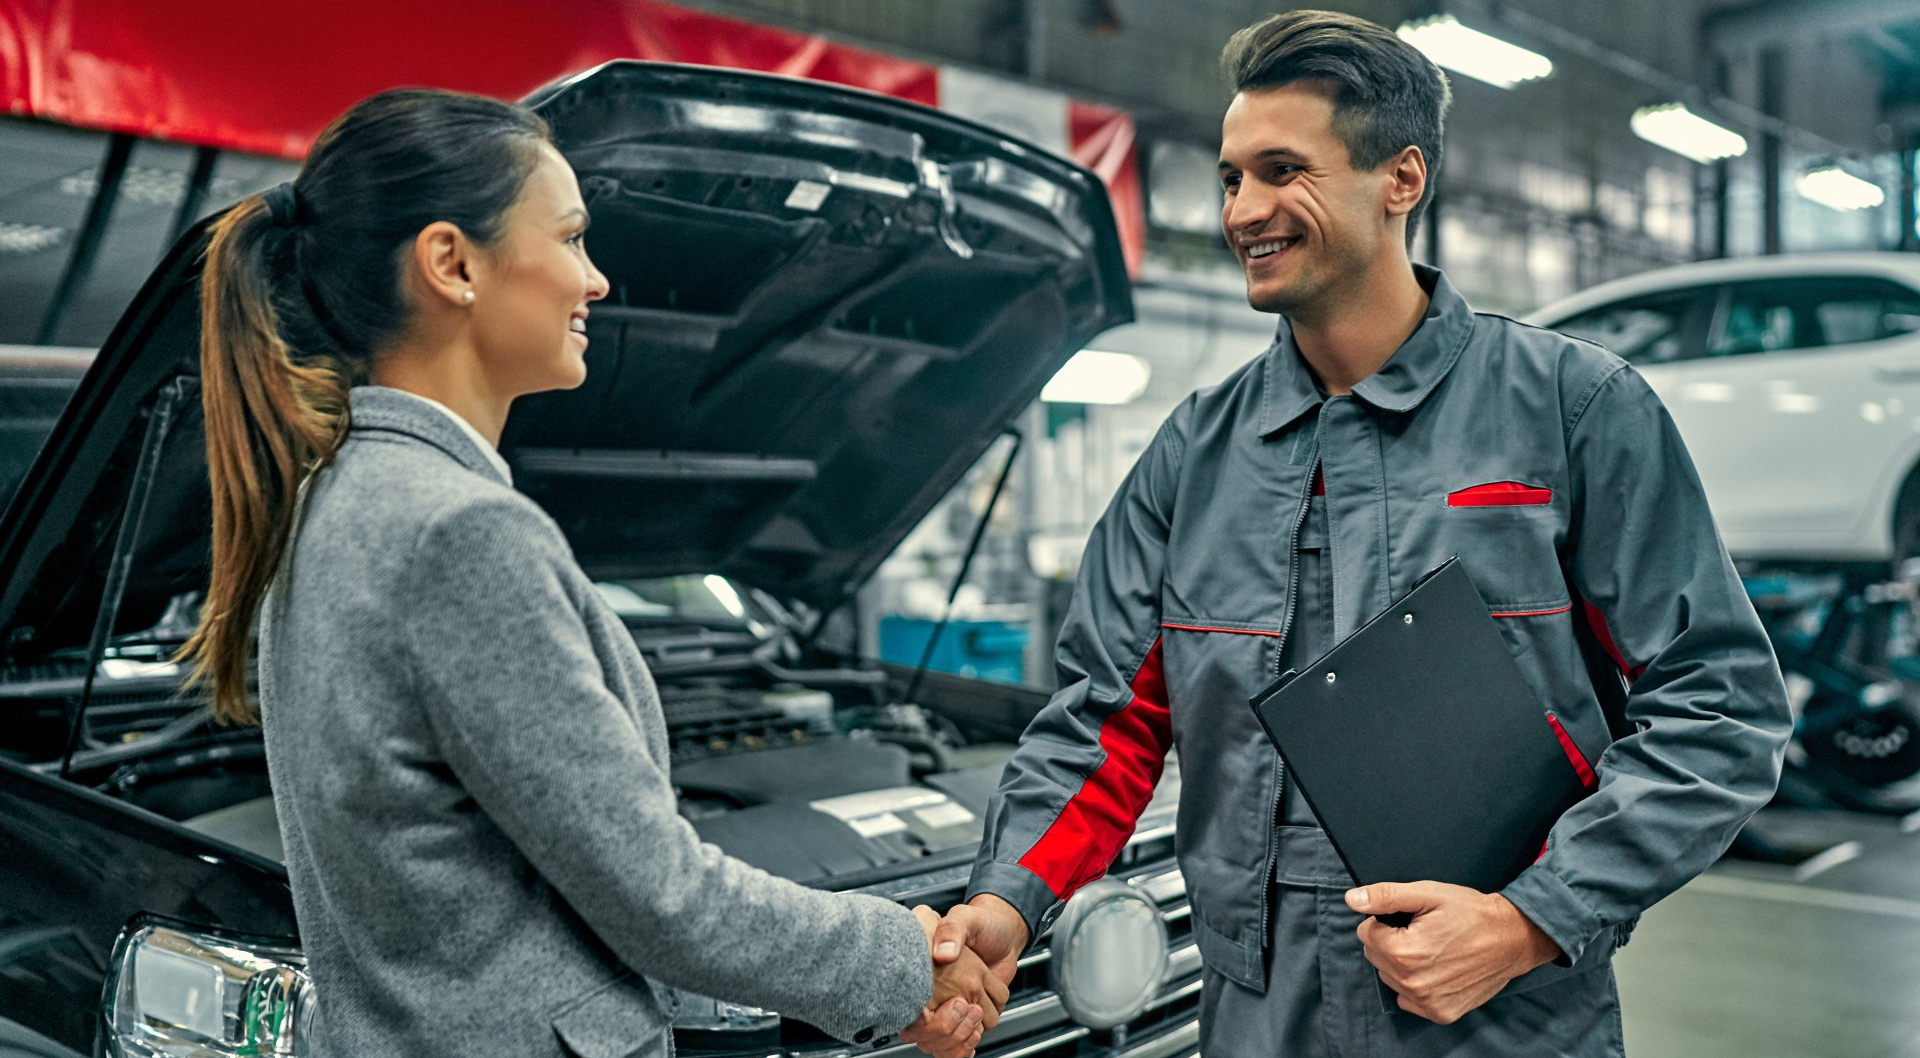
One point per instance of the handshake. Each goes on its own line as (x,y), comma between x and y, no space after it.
(975,949)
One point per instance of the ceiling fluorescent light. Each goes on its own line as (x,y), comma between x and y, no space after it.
(1094,377)
(1835,188)
(1482,57)
(1673,126)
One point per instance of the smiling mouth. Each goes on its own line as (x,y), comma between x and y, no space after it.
(1268,249)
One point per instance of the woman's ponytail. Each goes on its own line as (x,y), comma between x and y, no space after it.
(272,418)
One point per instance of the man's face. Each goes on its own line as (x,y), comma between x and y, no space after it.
(1304,224)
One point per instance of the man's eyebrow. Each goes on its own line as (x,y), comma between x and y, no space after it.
(1270,152)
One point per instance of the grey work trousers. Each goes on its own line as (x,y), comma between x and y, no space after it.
(1324,1000)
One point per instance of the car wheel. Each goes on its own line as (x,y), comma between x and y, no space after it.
(1876,752)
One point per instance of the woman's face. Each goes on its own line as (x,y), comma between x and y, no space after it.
(530,305)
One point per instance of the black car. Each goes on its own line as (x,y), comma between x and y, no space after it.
(825,306)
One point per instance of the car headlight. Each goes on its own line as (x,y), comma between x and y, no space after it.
(175,993)
(1109,954)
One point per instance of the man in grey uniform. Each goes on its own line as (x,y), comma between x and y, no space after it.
(1387,428)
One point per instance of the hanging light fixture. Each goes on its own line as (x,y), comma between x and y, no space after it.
(1835,188)
(1480,56)
(1094,377)
(1673,126)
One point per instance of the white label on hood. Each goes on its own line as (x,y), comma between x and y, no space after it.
(947,815)
(878,825)
(807,195)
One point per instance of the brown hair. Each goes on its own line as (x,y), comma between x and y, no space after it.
(295,299)
(1387,96)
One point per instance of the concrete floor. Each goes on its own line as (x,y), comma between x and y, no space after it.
(1760,960)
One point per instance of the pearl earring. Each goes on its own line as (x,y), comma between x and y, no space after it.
(467,297)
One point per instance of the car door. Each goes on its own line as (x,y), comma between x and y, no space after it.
(1801,405)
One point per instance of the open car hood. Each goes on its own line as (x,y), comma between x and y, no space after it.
(825,305)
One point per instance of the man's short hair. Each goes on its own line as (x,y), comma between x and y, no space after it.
(1387,95)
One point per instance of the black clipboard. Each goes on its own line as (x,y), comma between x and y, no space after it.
(1420,747)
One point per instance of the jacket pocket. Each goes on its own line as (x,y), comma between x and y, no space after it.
(619,1019)
(1511,554)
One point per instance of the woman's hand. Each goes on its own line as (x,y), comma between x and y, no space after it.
(967,1000)
(970,979)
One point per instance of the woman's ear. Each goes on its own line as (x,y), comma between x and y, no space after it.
(443,263)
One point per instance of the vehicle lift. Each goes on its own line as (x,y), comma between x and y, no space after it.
(1848,641)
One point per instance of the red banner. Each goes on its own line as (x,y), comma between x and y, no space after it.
(1102,140)
(266,77)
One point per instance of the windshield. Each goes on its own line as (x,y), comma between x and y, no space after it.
(704,599)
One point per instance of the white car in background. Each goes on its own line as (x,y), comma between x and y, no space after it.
(1795,381)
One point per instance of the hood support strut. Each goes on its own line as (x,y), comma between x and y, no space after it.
(966,565)
(173,396)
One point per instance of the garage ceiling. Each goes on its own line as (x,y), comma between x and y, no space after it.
(1156,58)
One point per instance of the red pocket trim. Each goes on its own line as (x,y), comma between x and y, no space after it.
(1501,494)
(1536,613)
(1574,757)
(1227,631)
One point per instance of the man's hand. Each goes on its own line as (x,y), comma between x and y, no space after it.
(968,979)
(987,933)
(989,926)
(1461,949)
(950,1027)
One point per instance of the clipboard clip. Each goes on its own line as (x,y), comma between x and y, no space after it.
(1434,572)
(1268,691)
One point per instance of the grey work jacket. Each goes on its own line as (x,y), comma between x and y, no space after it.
(1553,471)
(470,763)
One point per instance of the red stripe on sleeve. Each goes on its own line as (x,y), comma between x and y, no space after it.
(1095,825)
(1579,761)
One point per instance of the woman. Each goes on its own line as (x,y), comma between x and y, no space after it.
(468,755)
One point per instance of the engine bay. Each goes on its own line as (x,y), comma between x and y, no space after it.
(810,772)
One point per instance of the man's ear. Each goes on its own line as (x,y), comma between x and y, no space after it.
(1406,181)
(443,262)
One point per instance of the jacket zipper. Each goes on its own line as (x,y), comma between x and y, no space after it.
(1279,654)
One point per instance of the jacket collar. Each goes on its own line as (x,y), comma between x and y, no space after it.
(385,410)
(1289,389)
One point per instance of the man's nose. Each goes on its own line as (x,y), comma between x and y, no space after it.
(1248,210)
